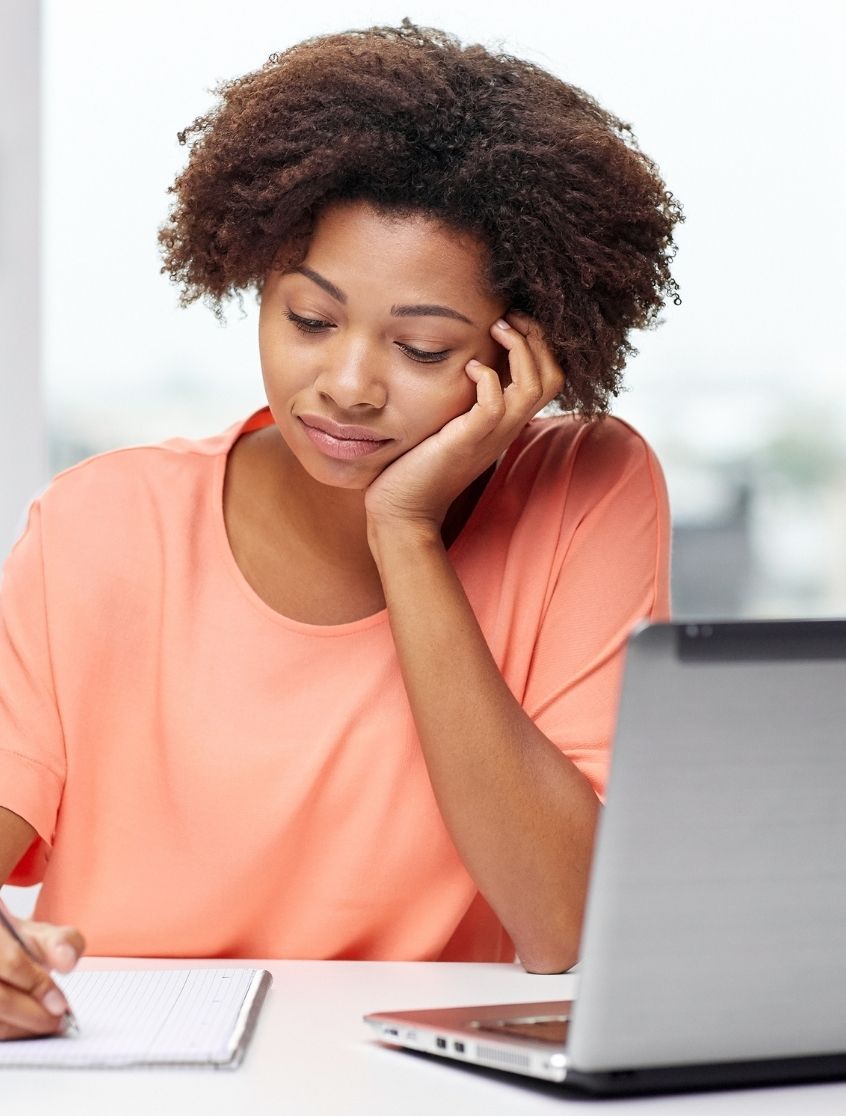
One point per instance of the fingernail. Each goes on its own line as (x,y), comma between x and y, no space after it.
(474,363)
(65,954)
(55,1002)
(502,324)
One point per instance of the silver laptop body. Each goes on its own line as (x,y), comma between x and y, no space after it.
(714,940)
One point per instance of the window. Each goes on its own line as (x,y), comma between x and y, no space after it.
(740,391)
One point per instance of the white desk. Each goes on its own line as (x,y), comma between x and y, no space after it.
(311,1054)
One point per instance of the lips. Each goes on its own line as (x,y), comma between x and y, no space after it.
(340,441)
(340,432)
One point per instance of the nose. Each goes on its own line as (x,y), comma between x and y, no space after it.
(353,375)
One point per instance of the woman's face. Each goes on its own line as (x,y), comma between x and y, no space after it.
(363,345)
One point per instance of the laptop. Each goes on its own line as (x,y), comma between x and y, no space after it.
(712,953)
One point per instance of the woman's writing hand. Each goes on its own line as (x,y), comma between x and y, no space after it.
(420,486)
(30,1002)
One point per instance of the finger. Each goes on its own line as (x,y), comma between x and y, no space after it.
(28,976)
(526,387)
(552,374)
(21,1016)
(59,947)
(531,329)
(489,409)
(520,320)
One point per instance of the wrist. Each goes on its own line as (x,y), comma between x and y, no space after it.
(393,534)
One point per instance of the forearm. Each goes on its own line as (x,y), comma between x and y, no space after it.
(520,813)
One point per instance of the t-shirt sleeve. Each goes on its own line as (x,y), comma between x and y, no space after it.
(32,755)
(614,573)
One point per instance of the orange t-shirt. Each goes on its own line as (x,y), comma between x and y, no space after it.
(210,778)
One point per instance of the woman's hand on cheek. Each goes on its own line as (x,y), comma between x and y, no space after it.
(420,486)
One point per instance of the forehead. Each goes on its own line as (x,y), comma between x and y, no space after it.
(356,243)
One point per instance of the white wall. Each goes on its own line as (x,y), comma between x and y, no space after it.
(23,454)
(739,101)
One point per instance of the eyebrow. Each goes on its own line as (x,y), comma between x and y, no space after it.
(422,310)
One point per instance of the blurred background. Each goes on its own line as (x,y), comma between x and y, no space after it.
(740,390)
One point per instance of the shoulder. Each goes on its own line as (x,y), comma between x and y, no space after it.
(131,464)
(147,470)
(560,432)
(110,505)
(565,451)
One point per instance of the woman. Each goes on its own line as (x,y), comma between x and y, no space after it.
(340,681)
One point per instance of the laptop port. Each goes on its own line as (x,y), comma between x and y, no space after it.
(458,1047)
(441,1043)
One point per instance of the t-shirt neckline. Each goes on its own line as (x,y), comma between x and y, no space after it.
(352,626)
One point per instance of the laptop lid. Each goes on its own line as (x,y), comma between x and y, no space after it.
(716,920)
(717,909)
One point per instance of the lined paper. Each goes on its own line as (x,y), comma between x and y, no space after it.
(150,1017)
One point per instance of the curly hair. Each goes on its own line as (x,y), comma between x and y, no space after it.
(576,219)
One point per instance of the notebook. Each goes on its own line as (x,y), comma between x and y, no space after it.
(150,1017)
(716,916)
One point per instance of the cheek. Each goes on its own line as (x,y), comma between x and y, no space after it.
(268,347)
(434,405)
(284,368)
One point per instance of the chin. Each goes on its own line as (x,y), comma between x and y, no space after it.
(335,474)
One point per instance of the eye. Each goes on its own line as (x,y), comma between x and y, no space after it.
(317,325)
(307,325)
(423,357)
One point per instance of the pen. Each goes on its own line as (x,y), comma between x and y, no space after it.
(69,1018)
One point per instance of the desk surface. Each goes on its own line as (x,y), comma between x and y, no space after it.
(311,1054)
